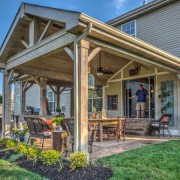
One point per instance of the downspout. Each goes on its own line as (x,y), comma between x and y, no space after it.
(76,73)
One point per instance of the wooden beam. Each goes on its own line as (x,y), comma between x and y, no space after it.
(10,76)
(43,48)
(62,89)
(46,73)
(25,85)
(36,80)
(69,52)
(34,31)
(25,44)
(93,53)
(48,26)
(2,65)
(16,78)
(29,86)
(55,92)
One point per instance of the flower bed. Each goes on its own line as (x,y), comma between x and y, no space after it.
(49,164)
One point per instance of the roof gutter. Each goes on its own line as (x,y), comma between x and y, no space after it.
(76,82)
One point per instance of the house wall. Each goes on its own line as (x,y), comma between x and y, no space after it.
(114,88)
(161,28)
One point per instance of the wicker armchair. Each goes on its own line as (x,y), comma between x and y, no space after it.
(38,128)
(162,123)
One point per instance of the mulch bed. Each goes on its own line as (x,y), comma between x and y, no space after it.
(92,172)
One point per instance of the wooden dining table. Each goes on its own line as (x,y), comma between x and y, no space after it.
(107,122)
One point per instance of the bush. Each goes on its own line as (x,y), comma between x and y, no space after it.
(3,141)
(51,157)
(11,144)
(22,148)
(32,153)
(78,160)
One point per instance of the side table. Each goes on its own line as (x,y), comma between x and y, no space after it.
(58,139)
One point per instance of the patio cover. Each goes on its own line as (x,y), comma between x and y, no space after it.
(53,46)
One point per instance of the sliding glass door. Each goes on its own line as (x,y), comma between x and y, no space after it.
(130,89)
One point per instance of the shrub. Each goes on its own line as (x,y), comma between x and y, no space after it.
(32,153)
(3,141)
(51,157)
(14,157)
(22,148)
(11,144)
(78,160)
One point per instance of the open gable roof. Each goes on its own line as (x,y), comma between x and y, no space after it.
(69,18)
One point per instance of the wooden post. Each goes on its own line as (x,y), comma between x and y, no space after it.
(72,103)
(82,97)
(43,98)
(22,98)
(6,105)
(58,96)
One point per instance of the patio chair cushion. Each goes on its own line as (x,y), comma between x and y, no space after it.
(47,134)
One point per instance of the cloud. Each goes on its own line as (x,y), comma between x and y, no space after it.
(118,3)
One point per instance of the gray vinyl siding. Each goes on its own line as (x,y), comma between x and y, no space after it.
(161,28)
(66,102)
(33,96)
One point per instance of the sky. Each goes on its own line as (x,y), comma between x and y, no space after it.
(102,10)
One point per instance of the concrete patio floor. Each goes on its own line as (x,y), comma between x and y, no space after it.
(110,147)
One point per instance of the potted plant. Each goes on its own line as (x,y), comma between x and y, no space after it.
(20,133)
(94,113)
(58,110)
(57,123)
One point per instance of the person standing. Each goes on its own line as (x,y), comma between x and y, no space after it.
(141,101)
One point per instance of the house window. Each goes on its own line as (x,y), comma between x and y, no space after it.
(51,101)
(129,28)
(95,99)
(112,102)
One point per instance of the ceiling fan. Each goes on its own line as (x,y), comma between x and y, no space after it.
(100,70)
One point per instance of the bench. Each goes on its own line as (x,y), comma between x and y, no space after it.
(138,126)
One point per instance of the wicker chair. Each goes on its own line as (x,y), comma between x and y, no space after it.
(38,128)
(68,125)
(162,123)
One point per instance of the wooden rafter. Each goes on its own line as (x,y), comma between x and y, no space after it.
(29,86)
(69,52)
(62,90)
(36,80)
(16,77)
(25,44)
(53,89)
(93,53)
(25,85)
(48,26)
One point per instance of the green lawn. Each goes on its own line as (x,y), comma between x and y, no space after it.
(152,162)
(9,171)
